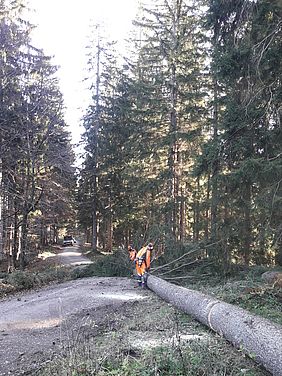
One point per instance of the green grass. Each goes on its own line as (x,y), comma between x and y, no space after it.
(247,291)
(192,361)
(25,280)
(115,350)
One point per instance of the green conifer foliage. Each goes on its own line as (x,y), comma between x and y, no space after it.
(248,45)
(34,147)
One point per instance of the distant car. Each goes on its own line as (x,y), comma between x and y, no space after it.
(68,240)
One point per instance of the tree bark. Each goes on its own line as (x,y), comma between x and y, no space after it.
(24,230)
(247,229)
(215,169)
(260,338)
(95,151)
(1,215)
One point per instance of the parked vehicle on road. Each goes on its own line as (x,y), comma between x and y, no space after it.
(68,240)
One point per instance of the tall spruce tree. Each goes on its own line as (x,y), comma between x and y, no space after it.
(246,56)
(31,124)
(172,62)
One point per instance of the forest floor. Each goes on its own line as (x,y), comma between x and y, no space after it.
(109,326)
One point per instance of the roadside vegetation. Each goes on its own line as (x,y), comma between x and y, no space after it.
(246,290)
(40,272)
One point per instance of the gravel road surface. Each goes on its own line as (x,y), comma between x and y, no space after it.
(35,326)
(71,256)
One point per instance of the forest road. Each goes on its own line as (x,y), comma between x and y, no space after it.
(37,326)
(71,256)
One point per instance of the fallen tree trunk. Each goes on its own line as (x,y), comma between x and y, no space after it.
(260,338)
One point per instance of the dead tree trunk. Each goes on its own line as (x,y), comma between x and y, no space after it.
(258,337)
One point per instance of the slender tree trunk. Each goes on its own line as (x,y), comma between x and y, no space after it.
(247,237)
(10,244)
(260,256)
(110,235)
(20,243)
(207,211)
(95,151)
(11,235)
(196,213)
(1,214)
(215,169)
(182,224)
(94,219)
(226,252)
(110,227)
(88,235)
(24,230)
(42,233)
(55,234)
(172,154)
(16,234)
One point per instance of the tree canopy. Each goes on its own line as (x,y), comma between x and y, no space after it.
(184,133)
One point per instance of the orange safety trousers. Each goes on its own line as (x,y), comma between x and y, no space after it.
(145,255)
(140,269)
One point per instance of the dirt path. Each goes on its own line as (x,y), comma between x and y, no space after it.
(71,256)
(35,326)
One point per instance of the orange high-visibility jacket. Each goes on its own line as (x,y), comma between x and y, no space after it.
(145,255)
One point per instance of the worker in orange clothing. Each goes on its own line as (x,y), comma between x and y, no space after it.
(143,263)
(132,252)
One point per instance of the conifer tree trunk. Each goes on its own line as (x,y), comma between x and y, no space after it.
(24,230)
(226,251)
(1,213)
(110,234)
(55,234)
(247,230)
(182,223)
(10,231)
(43,233)
(172,165)
(173,148)
(95,153)
(207,211)
(196,212)
(215,168)
(16,239)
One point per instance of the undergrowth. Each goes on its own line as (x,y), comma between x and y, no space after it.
(247,290)
(25,280)
(111,265)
